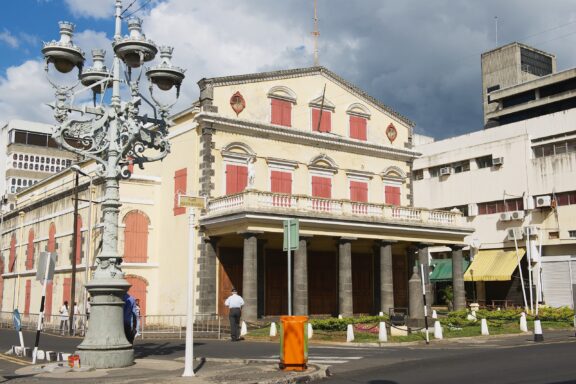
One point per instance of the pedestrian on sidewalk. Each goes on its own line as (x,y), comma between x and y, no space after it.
(75,318)
(64,318)
(138,315)
(129,317)
(235,302)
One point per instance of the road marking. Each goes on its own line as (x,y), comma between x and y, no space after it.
(13,359)
(321,359)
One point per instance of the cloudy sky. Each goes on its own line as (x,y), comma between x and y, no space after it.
(420,57)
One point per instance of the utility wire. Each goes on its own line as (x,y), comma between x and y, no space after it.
(142,6)
(128,7)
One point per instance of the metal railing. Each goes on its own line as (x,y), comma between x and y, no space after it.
(286,204)
(151,326)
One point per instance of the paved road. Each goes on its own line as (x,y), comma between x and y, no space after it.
(515,359)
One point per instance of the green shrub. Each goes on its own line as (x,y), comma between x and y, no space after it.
(334,324)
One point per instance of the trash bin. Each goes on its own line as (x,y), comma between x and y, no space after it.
(293,343)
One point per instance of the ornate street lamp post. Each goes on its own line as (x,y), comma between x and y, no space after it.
(114,136)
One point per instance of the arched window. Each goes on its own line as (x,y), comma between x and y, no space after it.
(281,100)
(136,237)
(393,180)
(12,255)
(138,290)
(51,238)
(30,250)
(359,116)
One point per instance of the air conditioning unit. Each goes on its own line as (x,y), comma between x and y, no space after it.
(445,171)
(497,161)
(514,233)
(531,230)
(543,201)
(505,216)
(472,209)
(517,215)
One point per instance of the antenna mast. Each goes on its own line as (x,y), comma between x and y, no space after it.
(316,33)
(496,27)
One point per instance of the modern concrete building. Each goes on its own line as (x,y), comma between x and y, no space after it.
(27,155)
(513,181)
(262,148)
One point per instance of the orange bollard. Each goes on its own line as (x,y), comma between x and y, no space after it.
(293,343)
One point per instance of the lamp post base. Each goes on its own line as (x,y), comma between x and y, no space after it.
(105,344)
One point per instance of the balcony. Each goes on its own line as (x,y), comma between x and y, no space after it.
(306,206)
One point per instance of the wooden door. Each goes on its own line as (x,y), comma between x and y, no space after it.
(322,283)
(363,283)
(229,275)
(400,271)
(276,283)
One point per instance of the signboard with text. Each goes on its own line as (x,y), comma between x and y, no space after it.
(291,234)
(188,201)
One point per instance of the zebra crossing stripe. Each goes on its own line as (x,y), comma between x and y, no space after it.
(320,359)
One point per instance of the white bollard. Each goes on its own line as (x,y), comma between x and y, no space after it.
(273,329)
(438,330)
(349,333)
(339,316)
(434,314)
(523,323)
(382,334)
(380,314)
(484,328)
(538,336)
(40,355)
(243,329)
(310,331)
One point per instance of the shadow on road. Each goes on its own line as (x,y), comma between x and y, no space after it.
(142,350)
(382,382)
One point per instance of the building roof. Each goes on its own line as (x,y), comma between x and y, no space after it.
(298,72)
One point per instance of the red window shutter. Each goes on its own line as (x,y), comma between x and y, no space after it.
(358,128)
(321,187)
(286,114)
(325,124)
(281,112)
(359,191)
(179,188)
(392,195)
(48,302)
(79,240)
(276,115)
(27,299)
(52,238)
(136,238)
(281,182)
(236,178)
(66,291)
(30,250)
(12,256)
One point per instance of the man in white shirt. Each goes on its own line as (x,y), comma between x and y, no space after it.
(64,318)
(235,303)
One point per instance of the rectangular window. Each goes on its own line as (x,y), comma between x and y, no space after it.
(180,177)
(281,182)
(484,161)
(392,194)
(236,178)
(325,121)
(358,128)
(359,191)
(322,187)
(418,174)
(281,112)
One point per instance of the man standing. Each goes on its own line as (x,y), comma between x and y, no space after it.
(235,303)
(129,317)
(64,318)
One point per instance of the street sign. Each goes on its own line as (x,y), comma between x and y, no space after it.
(191,201)
(17,321)
(46,259)
(291,234)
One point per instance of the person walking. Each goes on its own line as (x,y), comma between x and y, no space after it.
(76,318)
(138,315)
(235,302)
(129,317)
(64,318)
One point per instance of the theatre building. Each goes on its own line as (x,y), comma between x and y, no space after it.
(302,144)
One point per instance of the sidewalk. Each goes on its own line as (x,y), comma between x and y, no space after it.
(209,371)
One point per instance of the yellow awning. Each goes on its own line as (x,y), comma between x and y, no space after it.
(494,265)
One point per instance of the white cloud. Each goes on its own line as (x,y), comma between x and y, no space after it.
(7,38)
(91,8)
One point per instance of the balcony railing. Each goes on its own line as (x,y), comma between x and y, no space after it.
(302,205)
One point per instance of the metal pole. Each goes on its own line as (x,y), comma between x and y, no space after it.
(73,258)
(289,269)
(42,302)
(529,259)
(189,353)
(87,256)
(425,307)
